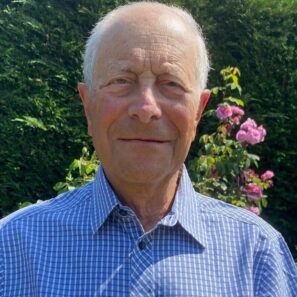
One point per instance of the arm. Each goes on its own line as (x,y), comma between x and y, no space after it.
(1,270)
(275,273)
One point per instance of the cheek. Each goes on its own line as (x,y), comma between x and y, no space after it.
(184,119)
(105,112)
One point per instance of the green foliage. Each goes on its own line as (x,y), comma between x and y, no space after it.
(80,171)
(41,120)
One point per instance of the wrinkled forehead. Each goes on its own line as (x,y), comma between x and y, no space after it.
(145,27)
(162,37)
(143,16)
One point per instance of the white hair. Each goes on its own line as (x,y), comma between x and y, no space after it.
(93,42)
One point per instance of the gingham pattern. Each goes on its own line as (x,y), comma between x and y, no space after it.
(84,243)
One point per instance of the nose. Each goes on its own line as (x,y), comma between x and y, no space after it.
(145,107)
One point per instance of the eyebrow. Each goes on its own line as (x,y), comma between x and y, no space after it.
(121,65)
(127,66)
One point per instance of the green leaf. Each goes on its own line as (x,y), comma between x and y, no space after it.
(223,186)
(31,122)
(215,90)
(210,161)
(204,139)
(264,202)
(24,204)
(74,165)
(238,101)
(208,113)
(60,186)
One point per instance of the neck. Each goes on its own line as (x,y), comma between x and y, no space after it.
(150,202)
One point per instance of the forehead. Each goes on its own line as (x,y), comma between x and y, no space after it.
(133,42)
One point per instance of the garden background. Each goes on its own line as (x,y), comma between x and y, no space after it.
(42,127)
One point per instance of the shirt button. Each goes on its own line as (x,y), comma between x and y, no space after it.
(123,212)
(141,245)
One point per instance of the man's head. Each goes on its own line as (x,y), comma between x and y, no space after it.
(145,70)
(201,61)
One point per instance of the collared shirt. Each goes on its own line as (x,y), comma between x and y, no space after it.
(85,243)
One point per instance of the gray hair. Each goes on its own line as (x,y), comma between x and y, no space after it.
(92,45)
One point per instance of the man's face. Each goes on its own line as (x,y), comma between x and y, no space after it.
(145,106)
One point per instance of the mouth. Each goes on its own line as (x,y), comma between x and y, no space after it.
(144,140)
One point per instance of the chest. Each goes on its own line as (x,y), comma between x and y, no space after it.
(127,263)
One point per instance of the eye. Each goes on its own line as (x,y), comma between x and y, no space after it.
(120,86)
(172,84)
(171,88)
(120,81)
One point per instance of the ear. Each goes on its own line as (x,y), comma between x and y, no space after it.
(202,104)
(86,100)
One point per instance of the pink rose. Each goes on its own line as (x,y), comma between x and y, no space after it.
(253,136)
(241,135)
(236,119)
(249,123)
(262,132)
(224,112)
(268,174)
(250,133)
(253,192)
(237,110)
(254,209)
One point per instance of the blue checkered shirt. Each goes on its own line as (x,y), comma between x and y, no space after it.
(85,243)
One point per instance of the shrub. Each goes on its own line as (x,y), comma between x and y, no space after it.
(224,167)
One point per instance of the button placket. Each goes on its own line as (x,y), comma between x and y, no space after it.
(142,277)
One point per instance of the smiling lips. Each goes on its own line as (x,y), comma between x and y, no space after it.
(144,140)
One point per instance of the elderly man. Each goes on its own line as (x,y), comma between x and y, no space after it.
(140,229)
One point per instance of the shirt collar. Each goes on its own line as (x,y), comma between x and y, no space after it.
(104,200)
(185,209)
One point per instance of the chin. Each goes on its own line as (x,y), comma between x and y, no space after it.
(144,173)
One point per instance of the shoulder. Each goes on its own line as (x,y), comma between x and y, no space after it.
(62,204)
(226,214)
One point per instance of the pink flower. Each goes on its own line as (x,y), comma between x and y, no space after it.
(250,133)
(241,135)
(224,112)
(268,174)
(237,110)
(254,209)
(253,136)
(262,132)
(236,119)
(253,192)
(249,123)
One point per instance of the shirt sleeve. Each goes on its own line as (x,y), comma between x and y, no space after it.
(275,273)
(1,271)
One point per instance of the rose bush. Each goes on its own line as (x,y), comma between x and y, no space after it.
(224,168)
